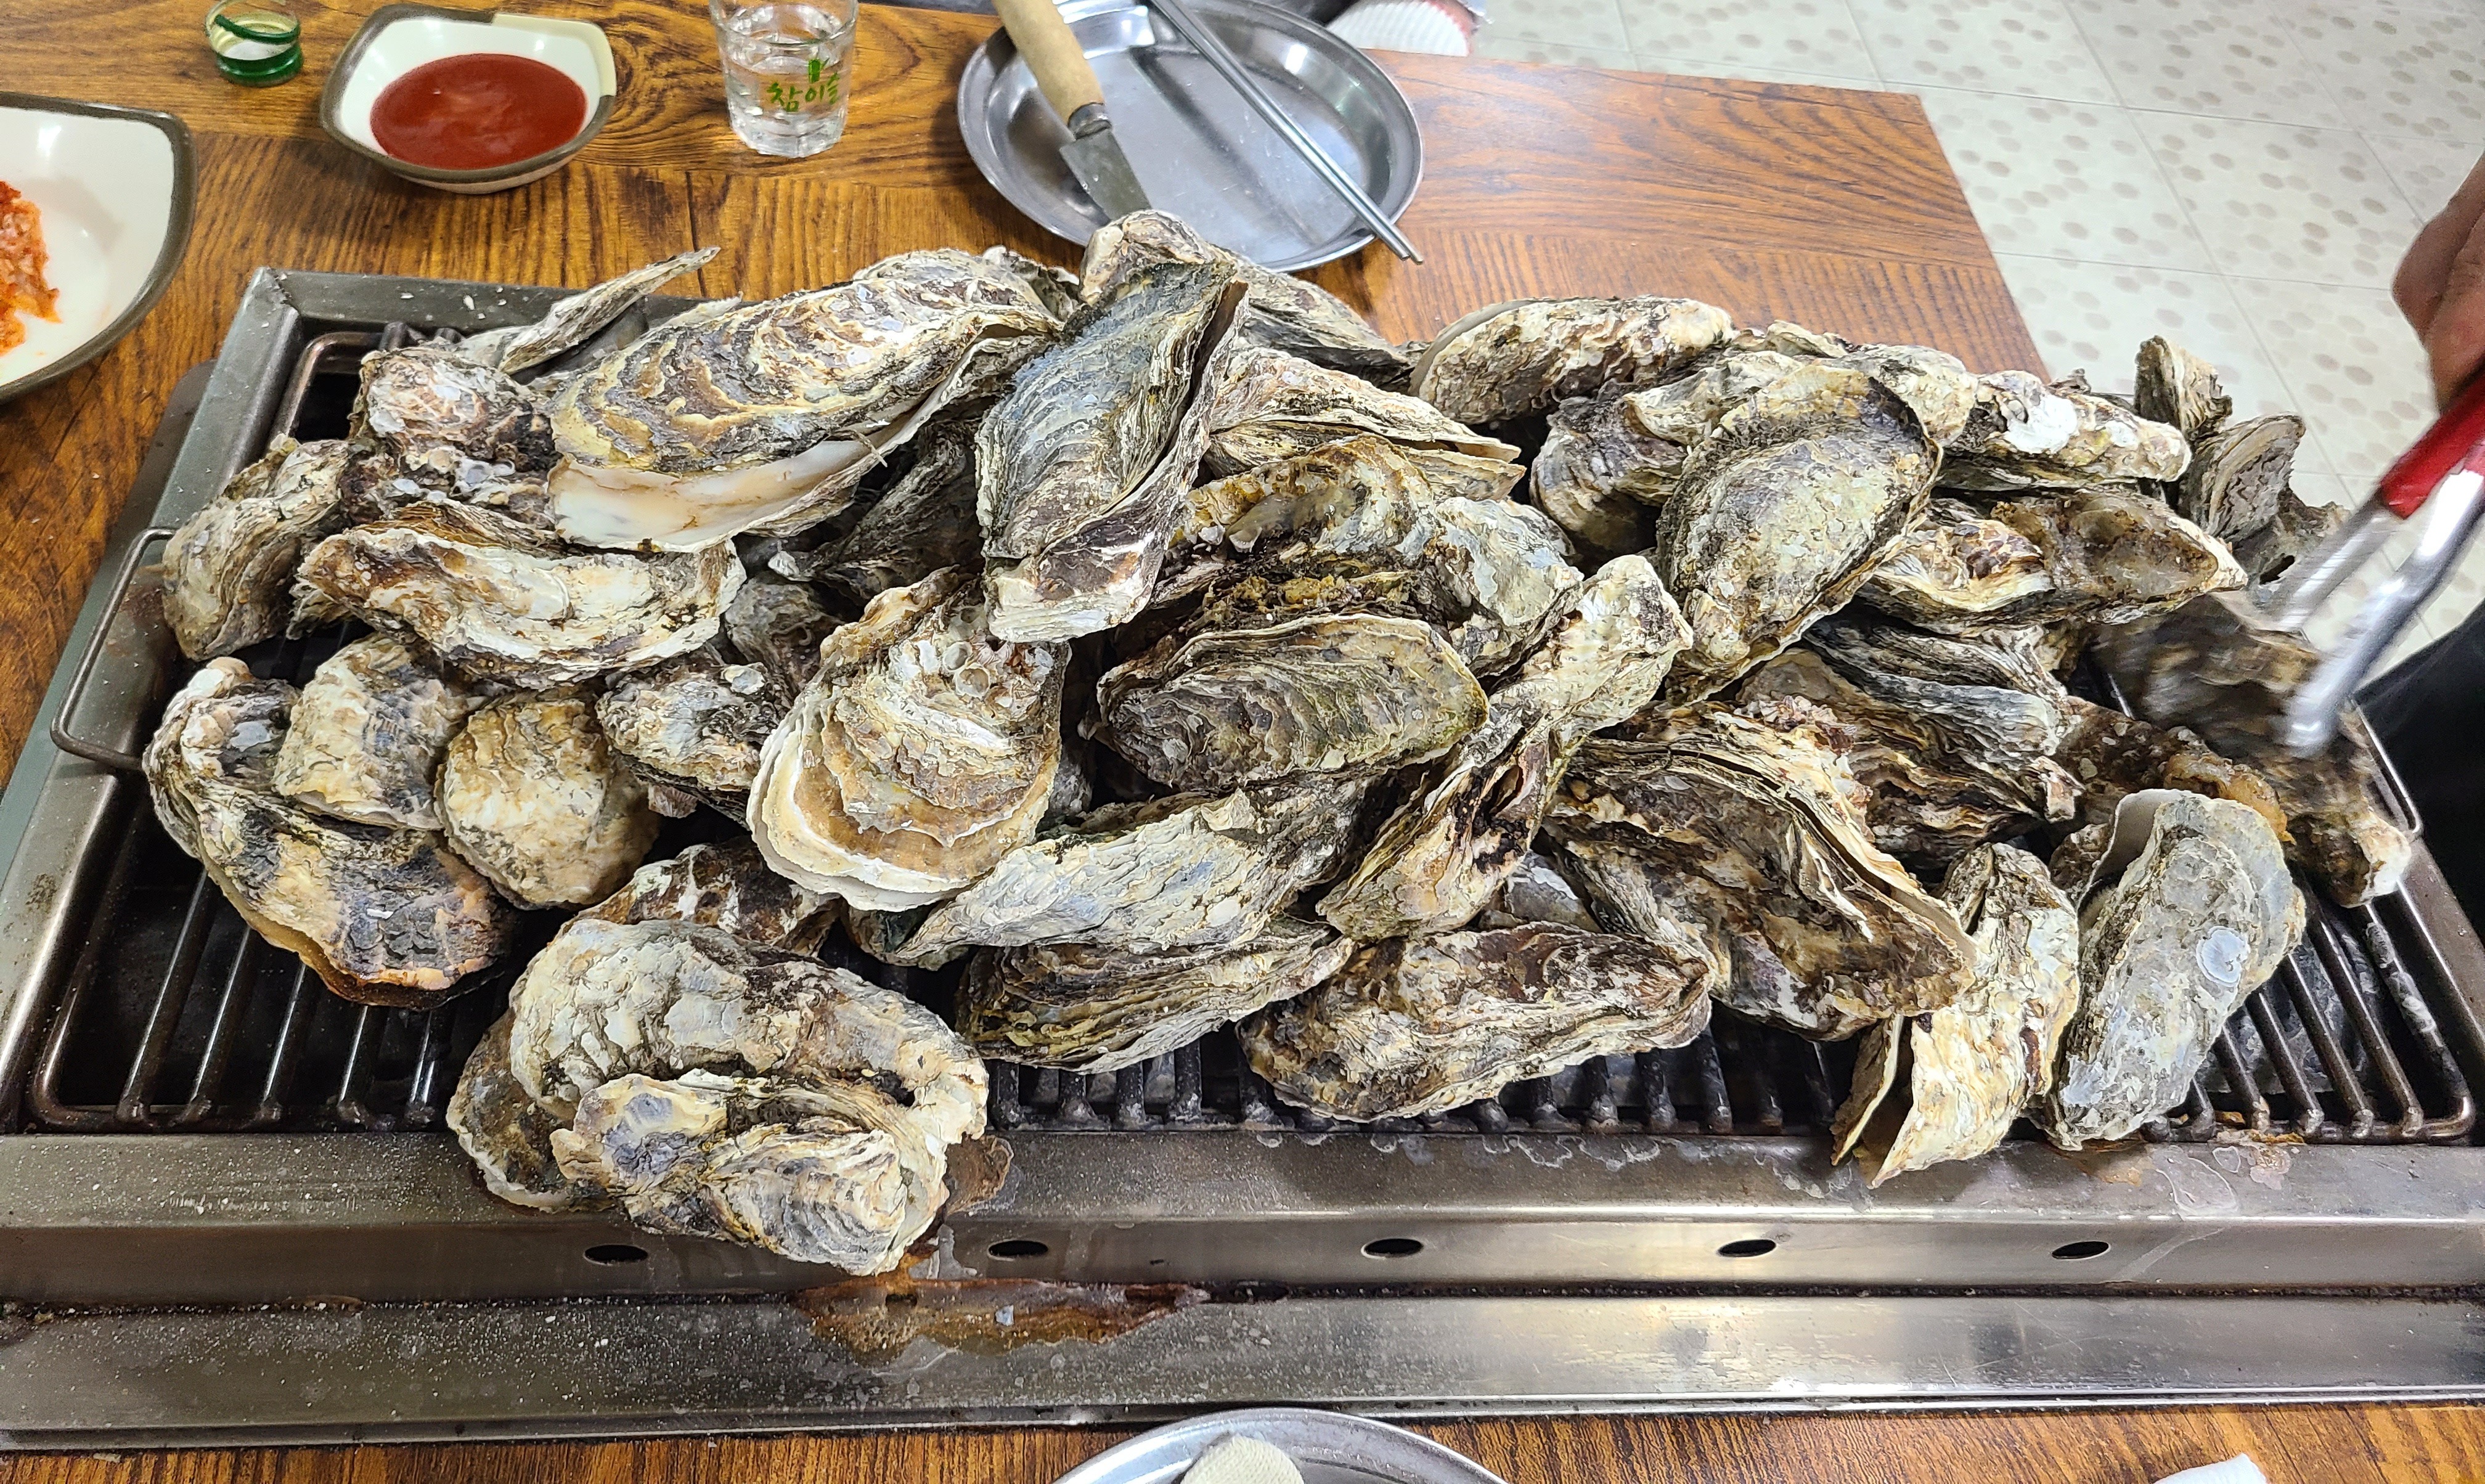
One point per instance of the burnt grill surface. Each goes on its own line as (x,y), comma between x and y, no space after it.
(177,1018)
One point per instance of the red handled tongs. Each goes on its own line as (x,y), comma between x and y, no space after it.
(2442,474)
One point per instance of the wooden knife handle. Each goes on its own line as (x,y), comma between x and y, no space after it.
(1052,54)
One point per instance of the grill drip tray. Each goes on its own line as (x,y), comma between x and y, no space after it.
(188,1118)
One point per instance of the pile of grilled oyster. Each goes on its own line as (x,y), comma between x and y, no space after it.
(1159,649)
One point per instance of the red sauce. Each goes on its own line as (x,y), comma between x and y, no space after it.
(478,111)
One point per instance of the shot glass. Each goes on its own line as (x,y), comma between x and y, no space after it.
(785,78)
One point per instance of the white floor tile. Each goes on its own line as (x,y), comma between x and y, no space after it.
(2352,365)
(1592,25)
(1684,66)
(2024,47)
(2215,57)
(2061,179)
(1813,37)
(2394,70)
(1490,40)
(2427,170)
(2275,201)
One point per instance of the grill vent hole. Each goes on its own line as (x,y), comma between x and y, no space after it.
(614,1255)
(1749,1247)
(2073,1252)
(1017,1246)
(1392,1246)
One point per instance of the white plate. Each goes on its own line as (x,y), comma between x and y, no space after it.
(114,186)
(397,39)
(1329,1448)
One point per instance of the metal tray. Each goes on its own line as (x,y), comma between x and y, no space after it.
(1197,147)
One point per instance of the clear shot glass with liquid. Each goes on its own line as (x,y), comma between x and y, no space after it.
(785,72)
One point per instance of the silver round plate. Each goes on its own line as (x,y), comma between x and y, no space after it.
(1195,145)
(1329,1448)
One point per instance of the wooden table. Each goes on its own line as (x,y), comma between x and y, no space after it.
(1832,208)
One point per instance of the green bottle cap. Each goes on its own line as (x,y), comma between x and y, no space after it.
(256,44)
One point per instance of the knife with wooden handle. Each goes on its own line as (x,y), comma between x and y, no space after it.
(1061,67)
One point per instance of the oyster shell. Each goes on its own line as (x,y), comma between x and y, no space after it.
(533,793)
(1086,1008)
(779,627)
(2237,474)
(1420,1026)
(228,568)
(728,887)
(368,733)
(1349,692)
(1185,872)
(430,422)
(1937,384)
(922,751)
(572,320)
(2113,755)
(2102,555)
(2295,528)
(1968,1068)
(924,523)
(696,724)
(765,417)
(1598,473)
(1862,644)
(508,1137)
(1466,827)
(1781,513)
(1082,470)
(1282,311)
(1750,837)
(499,601)
(2025,434)
(2171,385)
(1270,405)
(1523,357)
(2195,910)
(383,916)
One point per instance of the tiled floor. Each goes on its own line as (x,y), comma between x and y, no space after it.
(2242,176)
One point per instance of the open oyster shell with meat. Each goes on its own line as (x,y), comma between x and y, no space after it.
(695,724)
(922,751)
(1752,839)
(766,416)
(1269,405)
(228,569)
(1947,1085)
(1512,359)
(1418,1026)
(1087,1007)
(2025,434)
(2102,555)
(369,731)
(1781,515)
(496,600)
(535,795)
(1082,471)
(384,915)
(2192,908)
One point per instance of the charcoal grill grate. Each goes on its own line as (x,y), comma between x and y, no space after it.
(175,1018)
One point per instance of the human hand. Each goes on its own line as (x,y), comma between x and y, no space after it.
(2440,286)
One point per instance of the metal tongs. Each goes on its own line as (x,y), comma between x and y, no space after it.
(2444,471)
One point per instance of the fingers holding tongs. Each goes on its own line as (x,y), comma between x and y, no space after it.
(2442,476)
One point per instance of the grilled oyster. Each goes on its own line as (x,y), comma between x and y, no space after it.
(1862,644)
(1461,833)
(2171,385)
(2025,434)
(368,732)
(1968,1068)
(1282,311)
(2102,555)
(1781,513)
(1937,384)
(429,422)
(922,751)
(778,626)
(2212,667)
(1523,357)
(2295,528)
(2193,910)
(531,792)
(499,601)
(1086,1008)
(1352,693)
(228,568)
(2113,755)
(1185,872)
(1420,1026)
(765,417)
(572,320)
(382,915)
(1083,469)
(1538,891)
(1750,837)
(2237,474)
(727,886)
(1270,405)
(696,724)
(1596,467)
(924,523)
(508,1137)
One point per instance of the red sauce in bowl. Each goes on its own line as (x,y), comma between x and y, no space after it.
(478,111)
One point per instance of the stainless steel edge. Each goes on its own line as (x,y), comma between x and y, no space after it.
(372,1373)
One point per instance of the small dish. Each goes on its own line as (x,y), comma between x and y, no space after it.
(1329,1447)
(114,186)
(399,37)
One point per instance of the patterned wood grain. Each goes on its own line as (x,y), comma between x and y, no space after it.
(2328,1444)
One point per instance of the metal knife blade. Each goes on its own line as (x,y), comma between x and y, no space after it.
(1094,157)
